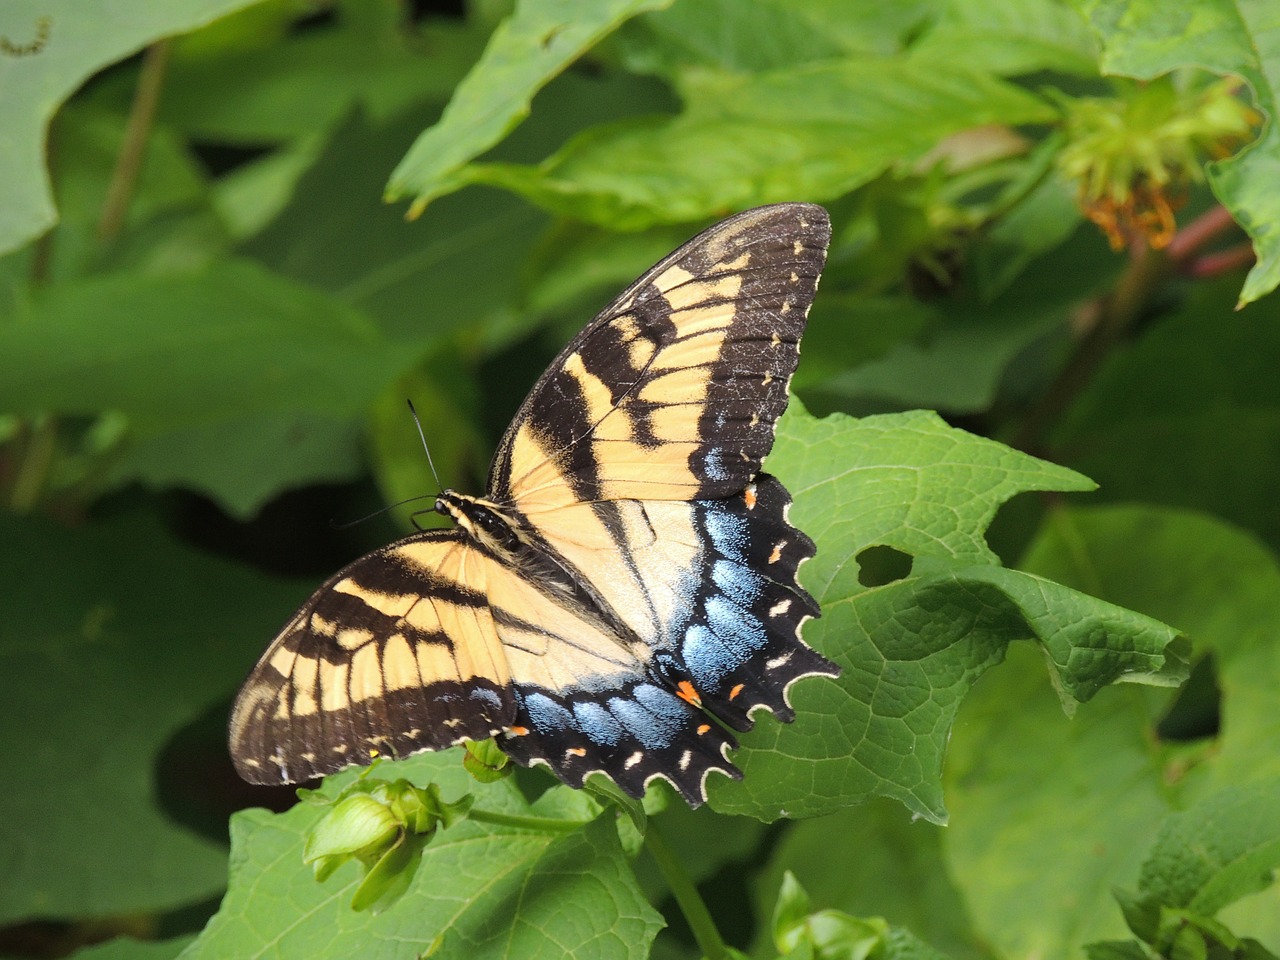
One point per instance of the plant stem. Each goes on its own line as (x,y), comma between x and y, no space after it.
(35,461)
(541,824)
(687,897)
(1118,313)
(129,164)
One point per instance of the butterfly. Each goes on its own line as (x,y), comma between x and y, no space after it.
(624,595)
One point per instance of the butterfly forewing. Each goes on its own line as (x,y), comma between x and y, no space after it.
(396,653)
(672,392)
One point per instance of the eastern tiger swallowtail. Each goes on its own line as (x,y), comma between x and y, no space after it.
(626,589)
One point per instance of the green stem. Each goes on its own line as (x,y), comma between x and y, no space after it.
(35,461)
(541,824)
(1117,315)
(687,897)
(129,164)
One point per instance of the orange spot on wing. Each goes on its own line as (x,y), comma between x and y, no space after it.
(749,495)
(703,728)
(735,691)
(685,691)
(518,731)
(577,751)
(776,555)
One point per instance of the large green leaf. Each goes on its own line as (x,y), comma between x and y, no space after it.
(749,35)
(1012,37)
(421,281)
(911,648)
(79,40)
(230,357)
(480,891)
(127,949)
(169,351)
(1222,849)
(1145,38)
(461,265)
(1027,787)
(1103,781)
(814,130)
(529,48)
(113,638)
(310,79)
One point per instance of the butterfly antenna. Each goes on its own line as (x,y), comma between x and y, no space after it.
(431,463)
(334,525)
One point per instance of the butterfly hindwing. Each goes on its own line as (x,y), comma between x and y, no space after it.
(672,392)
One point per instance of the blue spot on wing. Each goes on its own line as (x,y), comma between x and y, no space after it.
(487,696)
(598,723)
(546,714)
(737,581)
(654,716)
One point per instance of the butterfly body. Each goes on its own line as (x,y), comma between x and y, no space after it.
(626,589)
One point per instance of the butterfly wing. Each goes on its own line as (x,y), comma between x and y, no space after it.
(634,462)
(671,393)
(631,469)
(397,653)
(709,587)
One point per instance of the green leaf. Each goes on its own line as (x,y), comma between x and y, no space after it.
(310,79)
(708,842)
(1012,37)
(170,224)
(1027,787)
(1145,38)
(74,47)
(1217,581)
(528,49)
(420,281)
(201,363)
(910,649)
(274,451)
(114,638)
(745,139)
(481,890)
(1103,781)
(1116,950)
(753,35)
(1222,849)
(124,948)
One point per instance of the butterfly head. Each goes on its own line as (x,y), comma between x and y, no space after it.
(480,520)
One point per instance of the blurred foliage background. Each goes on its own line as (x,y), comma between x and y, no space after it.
(1056,223)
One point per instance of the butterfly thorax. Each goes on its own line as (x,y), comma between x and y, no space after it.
(483,522)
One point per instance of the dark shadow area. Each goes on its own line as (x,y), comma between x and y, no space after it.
(1196,710)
